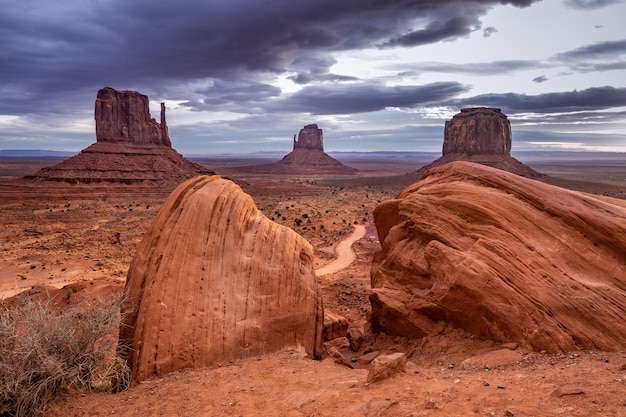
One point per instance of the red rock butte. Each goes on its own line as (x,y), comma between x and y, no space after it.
(215,280)
(503,257)
(307,158)
(131,147)
(481,135)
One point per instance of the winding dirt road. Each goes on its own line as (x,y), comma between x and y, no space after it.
(344,255)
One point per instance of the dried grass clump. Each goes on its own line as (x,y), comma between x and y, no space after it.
(44,352)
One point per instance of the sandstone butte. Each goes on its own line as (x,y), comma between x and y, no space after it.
(131,147)
(307,157)
(215,280)
(481,135)
(503,257)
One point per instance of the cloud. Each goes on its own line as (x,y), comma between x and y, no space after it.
(366,97)
(540,79)
(50,48)
(488,31)
(597,98)
(599,50)
(590,4)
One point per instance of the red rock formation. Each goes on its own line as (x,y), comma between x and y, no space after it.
(131,148)
(307,157)
(503,257)
(215,280)
(481,135)
(478,130)
(310,137)
(124,116)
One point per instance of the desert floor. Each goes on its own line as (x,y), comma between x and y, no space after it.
(57,234)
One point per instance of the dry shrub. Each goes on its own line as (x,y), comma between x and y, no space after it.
(45,352)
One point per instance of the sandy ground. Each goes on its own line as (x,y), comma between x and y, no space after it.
(66,238)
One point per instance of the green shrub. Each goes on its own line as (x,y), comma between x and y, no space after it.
(46,352)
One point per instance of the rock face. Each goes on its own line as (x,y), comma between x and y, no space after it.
(309,137)
(481,135)
(479,130)
(504,257)
(124,116)
(215,280)
(131,148)
(307,157)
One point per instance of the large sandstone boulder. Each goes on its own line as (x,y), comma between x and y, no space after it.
(131,148)
(503,257)
(215,280)
(481,135)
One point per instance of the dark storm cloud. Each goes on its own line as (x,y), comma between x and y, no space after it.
(540,79)
(362,98)
(478,68)
(49,49)
(590,4)
(600,50)
(599,98)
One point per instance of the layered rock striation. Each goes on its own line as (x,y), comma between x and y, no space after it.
(307,158)
(505,258)
(131,148)
(481,135)
(215,280)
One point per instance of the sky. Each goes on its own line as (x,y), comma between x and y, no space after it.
(241,76)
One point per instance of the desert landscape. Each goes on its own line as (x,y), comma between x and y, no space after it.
(465,353)
(81,238)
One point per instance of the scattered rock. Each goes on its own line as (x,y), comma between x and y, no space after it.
(430,403)
(368,357)
(492,359)
(502,257)
(215,280)
(335,325)
(386,366)
(355,337)
(339,343)
(567,390)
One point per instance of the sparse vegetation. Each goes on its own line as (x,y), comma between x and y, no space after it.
(45,353)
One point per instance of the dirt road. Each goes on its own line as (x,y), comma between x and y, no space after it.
(344,255)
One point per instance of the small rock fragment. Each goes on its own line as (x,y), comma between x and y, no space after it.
(430,403)
(355,337)
(386,366)
(368,357)
(567,390)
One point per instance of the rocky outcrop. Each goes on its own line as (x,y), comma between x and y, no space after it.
(124,116)
(481,135)
(307,157)
(478,130)
(131,148)
(215,280)
(505,258)
(309,137)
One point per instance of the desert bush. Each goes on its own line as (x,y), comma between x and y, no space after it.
(46,352)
